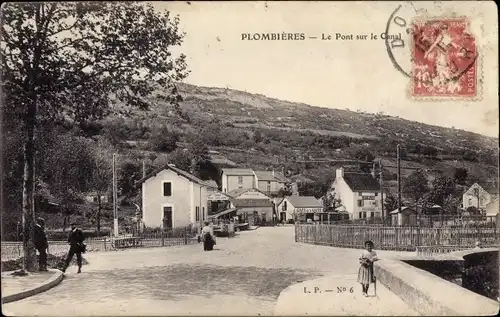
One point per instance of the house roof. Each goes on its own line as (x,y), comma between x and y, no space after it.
(179,172)
(238,171)
(251,203)
(212,183)
(268,176)
(361,182)
(240,191)
(304,201)
(395,211)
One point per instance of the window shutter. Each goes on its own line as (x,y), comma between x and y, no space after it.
(167,189)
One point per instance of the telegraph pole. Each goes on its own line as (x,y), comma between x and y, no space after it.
(381,191)
(115,202)
(399,179)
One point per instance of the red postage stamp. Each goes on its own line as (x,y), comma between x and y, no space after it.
(444,59)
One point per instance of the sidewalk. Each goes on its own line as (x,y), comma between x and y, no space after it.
(339,296)
(18,287)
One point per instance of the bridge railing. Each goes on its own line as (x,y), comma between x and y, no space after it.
(394,238)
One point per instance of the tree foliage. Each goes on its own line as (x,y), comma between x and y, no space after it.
(72,60)
(460,175)
(415,185)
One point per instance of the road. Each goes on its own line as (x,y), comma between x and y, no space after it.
(243,276)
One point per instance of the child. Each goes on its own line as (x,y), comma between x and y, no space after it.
(365,273)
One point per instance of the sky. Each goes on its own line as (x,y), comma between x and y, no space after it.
(353,74)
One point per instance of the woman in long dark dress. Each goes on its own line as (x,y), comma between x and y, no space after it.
(208,237)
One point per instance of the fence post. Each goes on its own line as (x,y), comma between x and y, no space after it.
(162,239)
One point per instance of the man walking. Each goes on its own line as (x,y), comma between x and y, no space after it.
(41,244)
(75,241)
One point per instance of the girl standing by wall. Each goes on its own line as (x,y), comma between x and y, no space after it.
(365,272)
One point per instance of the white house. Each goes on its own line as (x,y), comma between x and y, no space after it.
(173,198)
(359,193)
(299,207)
(234,178)
(270,182)
(477,193)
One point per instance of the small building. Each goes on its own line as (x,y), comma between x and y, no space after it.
(248,193)
(173,198)
(253,211)
(299,208)
(479,197)
(359,193)
(235,178)
(407,217)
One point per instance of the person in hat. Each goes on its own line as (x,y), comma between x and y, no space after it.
(365,272)
(75,241)
(41,244)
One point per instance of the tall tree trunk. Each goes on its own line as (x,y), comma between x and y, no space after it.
(28,186)
(98,213)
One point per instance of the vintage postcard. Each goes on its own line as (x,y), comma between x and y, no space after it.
(249,158)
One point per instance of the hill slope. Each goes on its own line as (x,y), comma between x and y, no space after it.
(260,132)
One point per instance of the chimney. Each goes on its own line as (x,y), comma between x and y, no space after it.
(340,172)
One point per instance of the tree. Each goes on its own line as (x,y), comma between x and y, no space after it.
(390,203)
(164,140)
(460,175)
(257,136)
(73,59)
(442,187)
(416,184)
(450,204)
(102,175)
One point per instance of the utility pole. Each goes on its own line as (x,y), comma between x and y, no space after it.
(399,180)
(115,202)
(381,191)
(143,168)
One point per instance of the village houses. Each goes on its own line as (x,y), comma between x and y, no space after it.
(299,208)
(270,182)
(359,193)
(173,198)
(484,198)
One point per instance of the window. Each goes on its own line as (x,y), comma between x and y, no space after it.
(240,179)
(360,215)
(364,214)
(360,194)
(268,182)
(372,214)
(197,213)
(284,205)
(360,203)
(376,194)
(268,188)
(167,189)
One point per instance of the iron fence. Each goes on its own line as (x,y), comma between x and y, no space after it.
(12,250)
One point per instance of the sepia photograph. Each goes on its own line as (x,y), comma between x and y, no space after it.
(249,158)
